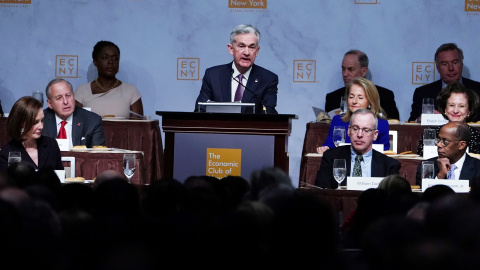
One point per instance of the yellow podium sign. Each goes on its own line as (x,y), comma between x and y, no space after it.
(222,162)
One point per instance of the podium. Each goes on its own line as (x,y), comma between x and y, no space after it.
(261,139)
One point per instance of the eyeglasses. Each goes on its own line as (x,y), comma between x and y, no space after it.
(444,142)
(367,131)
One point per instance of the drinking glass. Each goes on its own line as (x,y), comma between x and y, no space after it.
(14,157)
(343,104)
(38,95)
(129,164)
(427,106)
(338,135)
(429,137)
(339,170)
(428,171)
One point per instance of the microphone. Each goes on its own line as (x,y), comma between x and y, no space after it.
(253,93)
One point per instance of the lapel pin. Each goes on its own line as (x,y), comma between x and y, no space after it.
(256,80)
(78,124)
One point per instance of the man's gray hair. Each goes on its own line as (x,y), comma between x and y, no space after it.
(366,111)
(362,57)
(54,81)
(244,29)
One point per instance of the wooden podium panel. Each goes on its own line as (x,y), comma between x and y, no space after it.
(276,126)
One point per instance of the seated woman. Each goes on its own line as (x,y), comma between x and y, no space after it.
(457,103)
(361,94)
(107,95)
(24,126)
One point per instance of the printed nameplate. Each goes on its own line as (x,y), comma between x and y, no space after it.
(363,183)
(63,144)
(459,186)
(433,119)
(429,151)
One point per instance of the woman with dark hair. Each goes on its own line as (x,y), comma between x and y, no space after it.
(107,95)
(24,126)
(458,104)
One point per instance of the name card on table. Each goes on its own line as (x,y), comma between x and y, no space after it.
(433,120)
(459,186)
(429,151)
(63,144)
(61,175)
(363,183)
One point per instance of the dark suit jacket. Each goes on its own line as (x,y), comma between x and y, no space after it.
(470,169)
(87,127)
(381,166)
(217,86)
(387,101)
(48,154)
(431,90)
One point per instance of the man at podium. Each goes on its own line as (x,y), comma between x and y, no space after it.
(241,80)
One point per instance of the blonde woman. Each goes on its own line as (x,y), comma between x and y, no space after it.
(360,93)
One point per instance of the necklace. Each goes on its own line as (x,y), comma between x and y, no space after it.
(107,89)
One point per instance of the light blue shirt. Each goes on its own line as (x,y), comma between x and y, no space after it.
(366,163)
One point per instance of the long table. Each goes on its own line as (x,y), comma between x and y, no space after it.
(88,163)
(312,164)
(138,135)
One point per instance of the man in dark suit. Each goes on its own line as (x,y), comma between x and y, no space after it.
(453,162)
(362,131)
(82,127)
(355,64)
(449,62)
(221,83)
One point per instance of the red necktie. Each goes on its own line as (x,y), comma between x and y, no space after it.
(239,92)
(62,134)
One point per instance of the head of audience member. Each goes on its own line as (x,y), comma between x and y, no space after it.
(363,130)
(457,103)
(453,141)
(106,57)
(437,192)
(25,121)
(395,185)
(361,93)
(244,46)
(449,62)
(21,173)
(165,198)
(265,177)
(107,175)
(60,97)
(354,64)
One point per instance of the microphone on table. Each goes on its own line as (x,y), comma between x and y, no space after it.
(246,88)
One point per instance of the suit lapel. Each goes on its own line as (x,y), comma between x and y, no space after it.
(77,127)
(376,166)
(467,169)
(252,84)
(51,123)
(226,81)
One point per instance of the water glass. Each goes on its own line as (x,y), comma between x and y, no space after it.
(129,164)
(338,135)
(428,170)
(429,137)
(339,170)
(343,105)
(14,157)
(38,95)
(428,106)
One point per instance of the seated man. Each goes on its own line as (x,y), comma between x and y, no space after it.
(360,156)
(453,162)
(449,62)
(242,80)
(355,64)
(64,121)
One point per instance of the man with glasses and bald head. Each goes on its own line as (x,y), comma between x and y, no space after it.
(361,159)
(453,162)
